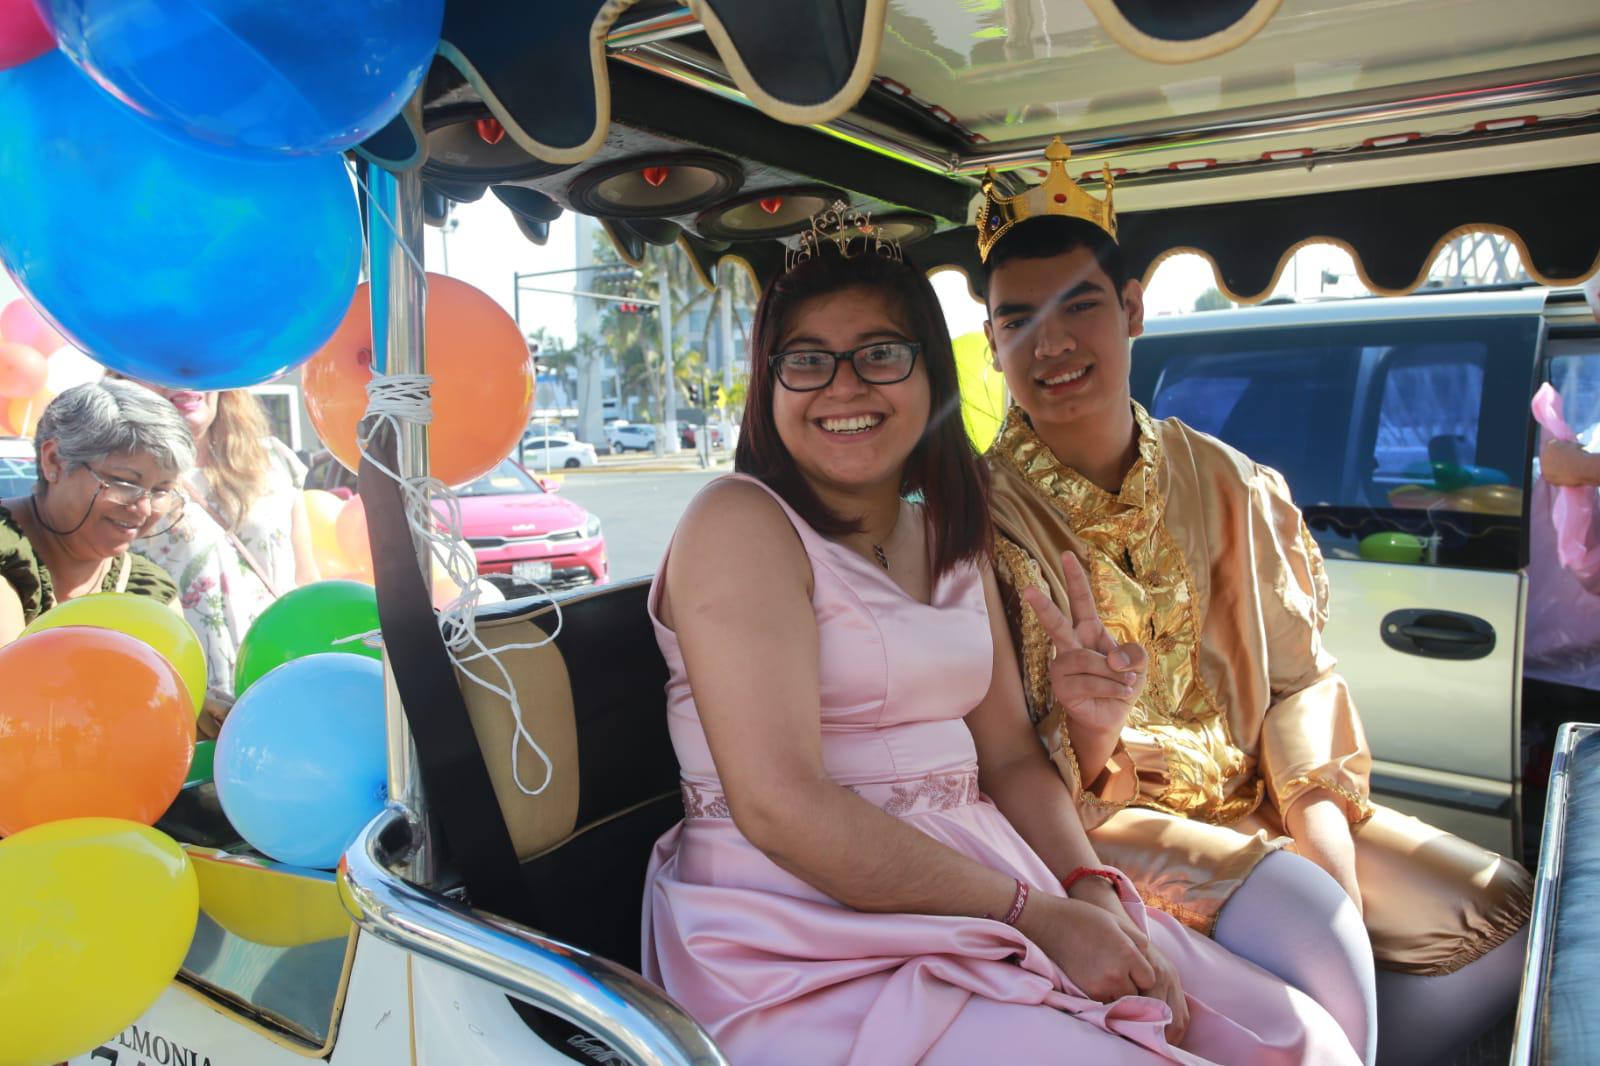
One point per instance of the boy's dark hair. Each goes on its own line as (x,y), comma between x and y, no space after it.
(1041,238)
(943,468)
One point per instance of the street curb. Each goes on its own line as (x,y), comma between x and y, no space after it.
(663,467)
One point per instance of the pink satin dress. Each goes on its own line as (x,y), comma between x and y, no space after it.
(780,973)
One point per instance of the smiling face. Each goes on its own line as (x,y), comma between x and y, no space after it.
(1061,336)
(850,435)
(199,409)
(76,495)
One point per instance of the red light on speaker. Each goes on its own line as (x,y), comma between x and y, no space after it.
(491,131)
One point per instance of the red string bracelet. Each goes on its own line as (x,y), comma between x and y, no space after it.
(1088,871)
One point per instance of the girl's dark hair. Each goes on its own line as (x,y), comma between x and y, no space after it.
(943,467)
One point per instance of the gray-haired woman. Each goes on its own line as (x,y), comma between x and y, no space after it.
(110,455)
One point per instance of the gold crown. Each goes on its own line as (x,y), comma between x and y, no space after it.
(1058,194)
(841,225)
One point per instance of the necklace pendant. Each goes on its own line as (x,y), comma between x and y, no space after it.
(878,554)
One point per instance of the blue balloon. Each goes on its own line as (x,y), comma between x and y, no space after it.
(302,765)
(257,76)
(165,260)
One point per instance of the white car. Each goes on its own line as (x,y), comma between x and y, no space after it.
(630,437)
(546,452)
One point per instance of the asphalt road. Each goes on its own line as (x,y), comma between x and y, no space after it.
(638,512)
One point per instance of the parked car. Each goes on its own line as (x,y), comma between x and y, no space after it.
(547,451)
(518,526)
(515,522)
(1402,426)
(628,437)
(17,470)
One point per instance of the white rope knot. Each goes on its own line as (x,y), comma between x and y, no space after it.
(433,514)
(407,397)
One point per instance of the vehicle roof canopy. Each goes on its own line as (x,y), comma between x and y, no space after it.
(1239,129)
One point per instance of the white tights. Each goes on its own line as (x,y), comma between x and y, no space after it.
(1294,921)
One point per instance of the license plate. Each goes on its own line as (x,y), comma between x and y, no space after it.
(531,571)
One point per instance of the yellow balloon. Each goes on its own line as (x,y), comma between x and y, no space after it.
(983,389)
(96,915)
(322,510)
(144,619)
(279,907)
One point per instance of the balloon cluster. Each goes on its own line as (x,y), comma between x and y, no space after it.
(98,699)
(179,208)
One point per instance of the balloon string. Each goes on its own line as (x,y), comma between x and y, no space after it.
(391,400)
(396,398)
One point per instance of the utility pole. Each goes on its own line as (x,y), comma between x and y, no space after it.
(591,425)
(669,392)
(725,320)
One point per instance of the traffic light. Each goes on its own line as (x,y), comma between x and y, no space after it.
(716,395)
(694,392)
(615,274)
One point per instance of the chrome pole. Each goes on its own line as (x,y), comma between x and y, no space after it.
(394,248)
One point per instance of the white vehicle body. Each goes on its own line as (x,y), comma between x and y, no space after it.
(550,452)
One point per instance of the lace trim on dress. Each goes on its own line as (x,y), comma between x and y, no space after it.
(935,792)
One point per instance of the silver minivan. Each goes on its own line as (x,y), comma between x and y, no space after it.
(1403,428)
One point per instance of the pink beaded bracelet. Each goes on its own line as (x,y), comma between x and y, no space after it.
(1019,901)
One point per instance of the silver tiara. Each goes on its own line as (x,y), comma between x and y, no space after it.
(849,230)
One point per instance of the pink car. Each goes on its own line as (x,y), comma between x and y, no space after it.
(518,526)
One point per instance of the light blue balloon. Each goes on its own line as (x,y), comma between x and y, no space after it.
(165,260)
(257,76)
(301,765)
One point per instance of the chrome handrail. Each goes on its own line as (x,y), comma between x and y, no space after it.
(1528,1038)
(608,1001)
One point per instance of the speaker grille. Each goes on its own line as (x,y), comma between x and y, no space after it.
(767,213)
(655,186)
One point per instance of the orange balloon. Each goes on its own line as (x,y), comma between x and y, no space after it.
(322,511)
(482,381)
(351,529)
(93,723)
(444,589)
(22,370)
(22,413)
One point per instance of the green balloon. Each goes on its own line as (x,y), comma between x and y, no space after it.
(1393,548)
(311,619)
(200,769)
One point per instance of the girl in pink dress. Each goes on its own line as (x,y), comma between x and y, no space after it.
(878,864)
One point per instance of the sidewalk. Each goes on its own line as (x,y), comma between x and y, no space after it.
(648,463)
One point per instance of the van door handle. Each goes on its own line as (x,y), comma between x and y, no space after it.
(1438,634)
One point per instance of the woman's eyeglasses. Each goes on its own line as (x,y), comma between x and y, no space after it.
(164,503)
(877,363)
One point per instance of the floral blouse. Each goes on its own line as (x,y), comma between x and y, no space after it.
(220,593)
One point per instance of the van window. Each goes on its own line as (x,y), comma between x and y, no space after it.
(1402,441)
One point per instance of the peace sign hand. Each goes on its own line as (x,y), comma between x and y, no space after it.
(1095,679)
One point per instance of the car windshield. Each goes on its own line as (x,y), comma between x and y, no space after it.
(17,476)
(507,479)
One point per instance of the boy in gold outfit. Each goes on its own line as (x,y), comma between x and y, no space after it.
(1226,736)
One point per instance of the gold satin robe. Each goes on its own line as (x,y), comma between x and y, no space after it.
(1204,560)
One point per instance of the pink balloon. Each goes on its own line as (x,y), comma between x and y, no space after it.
(23,33)
(21,324)
(22,370)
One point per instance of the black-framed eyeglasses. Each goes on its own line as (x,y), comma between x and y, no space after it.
(166,505)
(876,363)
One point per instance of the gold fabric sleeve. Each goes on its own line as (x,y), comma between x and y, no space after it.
(1118,784)
(1311,737)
